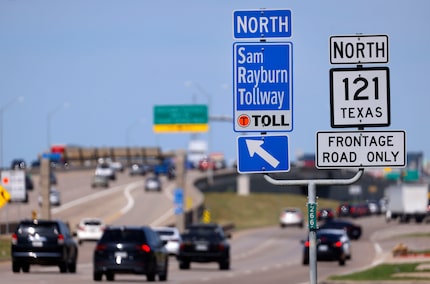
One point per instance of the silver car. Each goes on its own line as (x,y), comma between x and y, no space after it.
(291,217)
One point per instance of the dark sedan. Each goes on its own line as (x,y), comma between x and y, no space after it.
(332,245)
(130,250)
(43,242)
(353,230)
(204,243)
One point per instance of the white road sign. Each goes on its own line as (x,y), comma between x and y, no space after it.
(14,182)
(359,49)
(361,149)
(360,97)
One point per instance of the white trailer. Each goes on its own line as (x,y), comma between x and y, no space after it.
(407,201)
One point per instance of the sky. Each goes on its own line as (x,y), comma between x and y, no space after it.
(89,73)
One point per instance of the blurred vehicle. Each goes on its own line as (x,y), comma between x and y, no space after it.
(52,178)
(373,206)
(18,164)
(325,214)
(29,185)
(139,169)
(90,229)
(343,210)
(130,250)
(359,210)
(353,230)
(166,167)
(332,245)
(204,243)
(104,169)
(171,236)
(215,161)
(54,197)
(291,217)
(43,242)
(115,165)
(153,183)
(100,181)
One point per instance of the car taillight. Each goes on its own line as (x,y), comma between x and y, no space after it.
(221,247)
(14,239)
(338,244)
(307,244)
(60,239)
(145,248)
(100,247)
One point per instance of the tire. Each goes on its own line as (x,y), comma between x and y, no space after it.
(16,267)
(26,268)
(342,261)
(163,276)
(305,261)
(184,265)
(110,276)
(63,267)
(150,277)
(97,276)
(224,264)
(72,267)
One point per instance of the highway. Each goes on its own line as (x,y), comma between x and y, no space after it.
(267,255)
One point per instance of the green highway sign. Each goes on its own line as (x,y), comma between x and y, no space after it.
(181,118)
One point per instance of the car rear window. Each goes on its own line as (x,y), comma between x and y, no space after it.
(115,235)
(165,233)
(92,223)
(41,229)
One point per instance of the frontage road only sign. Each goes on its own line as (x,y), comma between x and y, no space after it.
(361,149)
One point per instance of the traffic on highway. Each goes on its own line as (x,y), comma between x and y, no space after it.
(270,255)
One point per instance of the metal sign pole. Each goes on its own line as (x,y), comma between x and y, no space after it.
(312,211)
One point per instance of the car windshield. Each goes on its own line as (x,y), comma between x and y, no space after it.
(92,223)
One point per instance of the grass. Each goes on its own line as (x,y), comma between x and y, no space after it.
(255,210)
(382,272)
(4,248)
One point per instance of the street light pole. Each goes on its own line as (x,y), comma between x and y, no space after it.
(49,118)
(2,109)
(208,96)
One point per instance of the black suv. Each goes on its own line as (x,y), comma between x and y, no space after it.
(43,242)
(204,243)
(130,250)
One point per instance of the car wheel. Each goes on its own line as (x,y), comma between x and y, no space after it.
(16,267)
(63,267)
(342,261)
(26,268)
(305,261)
(72,267)
(110,276)
(163,276)
(150,277)
(97,276)
(184,265)
(224,265)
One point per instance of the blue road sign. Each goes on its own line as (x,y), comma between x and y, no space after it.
(178,196)
(263,87)
(261,24)
(263,154)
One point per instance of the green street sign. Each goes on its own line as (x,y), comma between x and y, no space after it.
(181,118)
(312,216)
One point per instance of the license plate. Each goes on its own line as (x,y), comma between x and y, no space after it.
(201,247)
(121,254)
(322,247)
(37,244)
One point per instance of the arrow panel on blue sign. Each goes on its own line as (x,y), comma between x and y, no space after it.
(263,154)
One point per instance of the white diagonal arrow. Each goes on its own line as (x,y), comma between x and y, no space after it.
(254,147)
